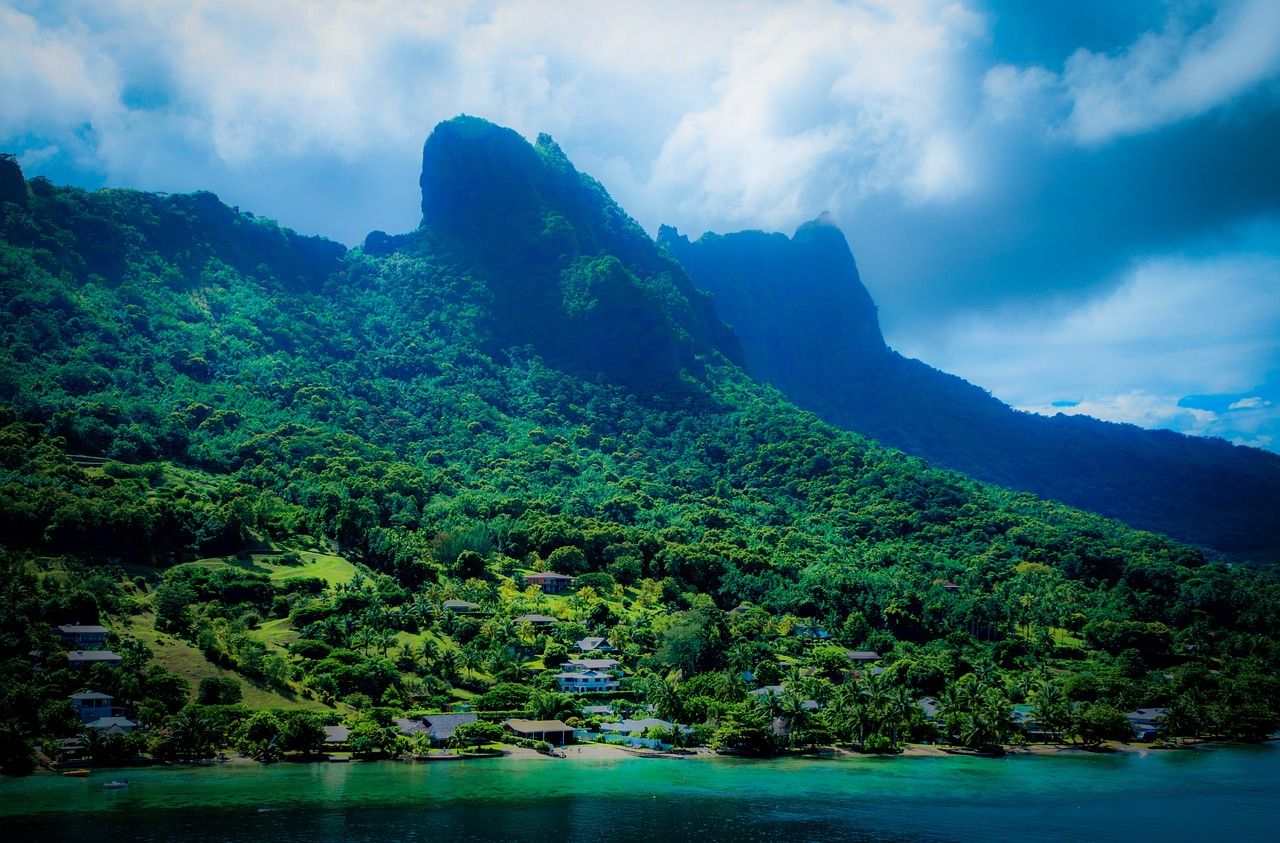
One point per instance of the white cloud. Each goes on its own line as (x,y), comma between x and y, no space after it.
(750,111)
(1141,408)
(1173,326)
(1159,79)
(1251,403)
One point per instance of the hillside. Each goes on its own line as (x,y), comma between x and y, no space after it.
(289,457)
(809,327)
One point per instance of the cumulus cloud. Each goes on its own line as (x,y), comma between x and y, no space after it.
(749,112)
(1161,78)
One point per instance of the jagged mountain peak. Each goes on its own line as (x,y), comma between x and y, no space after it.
(567,270)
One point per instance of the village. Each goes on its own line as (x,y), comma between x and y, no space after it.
(600,705)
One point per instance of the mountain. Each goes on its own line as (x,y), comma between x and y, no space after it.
(809,327)
(296,481)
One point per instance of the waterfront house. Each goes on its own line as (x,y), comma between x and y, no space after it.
(550,582)
(409,727)
(112,725)
(594,643)
(91,705)
(586,682)
(442,726)
(80,637)
(1146,722)
(84,658)
(552,731)
(335,736)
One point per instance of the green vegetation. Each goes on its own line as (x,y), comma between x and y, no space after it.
(255,457)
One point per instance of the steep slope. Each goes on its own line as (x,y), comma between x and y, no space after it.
(186,391)
(808,326)
(564,269)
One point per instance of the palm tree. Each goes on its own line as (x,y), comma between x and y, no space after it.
(385,639)
(469,658)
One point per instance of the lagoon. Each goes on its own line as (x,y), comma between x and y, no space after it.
(1210,793)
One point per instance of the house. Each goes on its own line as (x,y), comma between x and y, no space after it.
(586,682)
(408,727)
(862,656)
(930,707)
(593,643)
(597,710)
(552,731)
(336,735)
(112,725)
(611,665)
(460,607)
(549,582)
(442,726)
(91,705)
(537,620)
(627,727)
(1146,722)
(947,585)
(80,637)
(82,658)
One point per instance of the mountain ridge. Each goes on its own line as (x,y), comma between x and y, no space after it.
(1208,492)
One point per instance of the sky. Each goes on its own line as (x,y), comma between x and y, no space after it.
(1074,205)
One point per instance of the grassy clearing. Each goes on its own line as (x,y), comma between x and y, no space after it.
(181,658)
(334,570)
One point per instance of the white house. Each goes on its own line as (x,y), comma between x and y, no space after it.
(587,682)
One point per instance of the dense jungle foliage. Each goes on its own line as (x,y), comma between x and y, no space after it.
(265,463)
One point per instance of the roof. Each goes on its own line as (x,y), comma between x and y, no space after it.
(592,642)
(92,656)
(929,706)
(776,690)
(112,722)
(409,727)
(73,628)
(90,695)
(597,709)
(460,604)
(1146,715)
(547,575)
(442,726)
(584,674)
(862,655)
(593,664)
(536,619)
(518,725)
(336,734)
(635,725)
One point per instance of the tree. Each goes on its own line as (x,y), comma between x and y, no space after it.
(1096,723)
(218,690)
(476,733)
(259,737)
(743,730)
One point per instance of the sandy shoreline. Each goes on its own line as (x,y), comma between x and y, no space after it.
(592,751)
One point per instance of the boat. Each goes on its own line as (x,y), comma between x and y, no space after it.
(76,774)
(116,784)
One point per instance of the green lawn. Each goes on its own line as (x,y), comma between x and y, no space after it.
(178,656)
(331,569)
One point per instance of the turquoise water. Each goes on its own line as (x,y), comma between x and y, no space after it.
(1205,794)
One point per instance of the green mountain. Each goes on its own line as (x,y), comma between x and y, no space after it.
(809,327)
(266,464)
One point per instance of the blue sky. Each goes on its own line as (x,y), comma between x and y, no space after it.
(1074,205)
